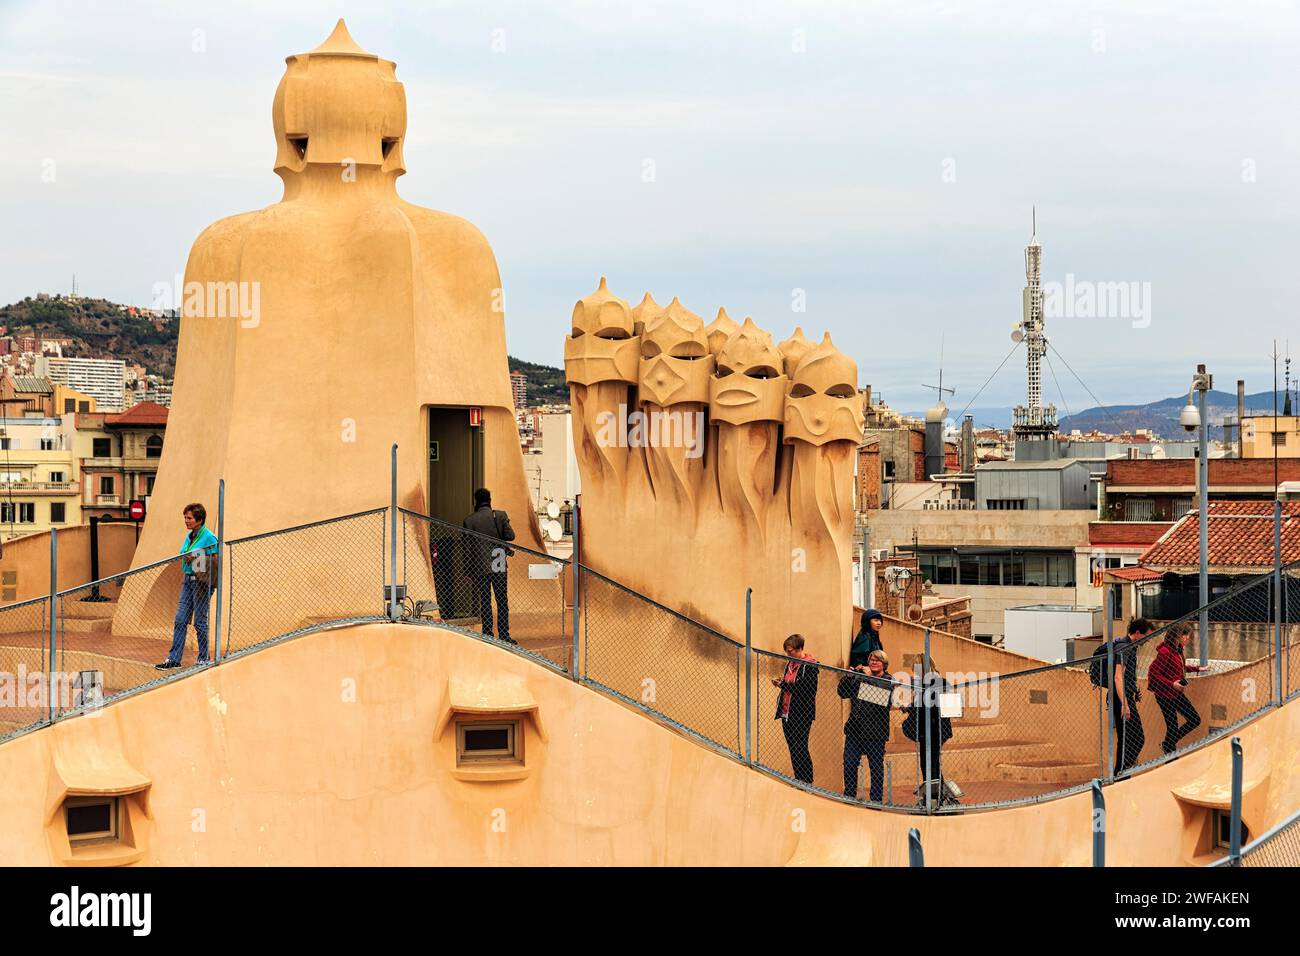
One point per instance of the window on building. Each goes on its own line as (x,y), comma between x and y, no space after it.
(56,477)
(1139,509)
(488,741)
(1006,504)
(103,448)
(69,405)
(91,819)
(148,484)
(7,444)
(83,407)
(153,447)
(105,484)
(889,468)
(47,444)
(27,512)
(1279,438)
(57,511)
(1181,506)
(1007,568)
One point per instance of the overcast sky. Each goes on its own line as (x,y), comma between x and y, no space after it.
(881,157)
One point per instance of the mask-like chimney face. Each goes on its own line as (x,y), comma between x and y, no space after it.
(339,104)
(823,404)
(675,360)
(601,347)
(748,386)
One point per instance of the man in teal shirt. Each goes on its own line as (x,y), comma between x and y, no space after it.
(195,593)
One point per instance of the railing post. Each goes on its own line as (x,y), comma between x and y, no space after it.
(221,566)
(576,560)
(54,606)
(1280,694)
(1110,699)
(1203,519)
(1098,825)
(924,716)
(749,676)
(915,854)
(392,545)
(1234,823)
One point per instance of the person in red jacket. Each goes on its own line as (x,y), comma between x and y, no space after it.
(1167,680)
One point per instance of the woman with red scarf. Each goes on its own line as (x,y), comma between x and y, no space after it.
(1167,680)
(796,705)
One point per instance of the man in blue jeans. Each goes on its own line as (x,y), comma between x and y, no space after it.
(195,594)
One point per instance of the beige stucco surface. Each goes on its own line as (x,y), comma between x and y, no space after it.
(322,750)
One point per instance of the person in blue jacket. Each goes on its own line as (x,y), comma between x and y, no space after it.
(196,593)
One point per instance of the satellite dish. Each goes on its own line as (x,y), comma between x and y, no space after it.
(552,509)
(1017,335)
(554,530)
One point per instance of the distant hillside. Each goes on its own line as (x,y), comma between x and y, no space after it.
(546,385)
(97,330)
(1162,416)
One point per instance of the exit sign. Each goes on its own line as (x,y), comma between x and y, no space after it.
(475,417)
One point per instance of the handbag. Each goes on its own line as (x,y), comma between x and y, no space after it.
(204,568)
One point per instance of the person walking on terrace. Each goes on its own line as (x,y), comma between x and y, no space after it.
(1129,735)
(1167,680)
(198,578)
(867,730)
(485,562)
(796,704)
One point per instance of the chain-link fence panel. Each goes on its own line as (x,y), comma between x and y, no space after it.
(288,581)
(834,731)
(1279,847)
(661,662)
(1291,630)
(131,630)
(1009,738)
(24,666)
(483,584)
(1171,705)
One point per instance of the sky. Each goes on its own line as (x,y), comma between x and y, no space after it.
(862,168)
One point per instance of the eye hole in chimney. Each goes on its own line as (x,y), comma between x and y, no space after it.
(386,145)
(299,144)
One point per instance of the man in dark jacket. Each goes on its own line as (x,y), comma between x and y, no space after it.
(1130,738)
(796,704)
(926,724)
(485,561)
(867,730)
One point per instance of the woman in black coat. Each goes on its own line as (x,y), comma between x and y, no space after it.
(796,704)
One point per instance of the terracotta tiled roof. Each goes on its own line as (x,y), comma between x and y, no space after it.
(1126,532)
(1137,573)
(144,413)
(1240,538)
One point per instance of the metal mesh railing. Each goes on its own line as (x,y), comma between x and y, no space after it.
(839,731)
(475,582)
(112,633)
(24,666)
(1000,739)
(1240,682)
(661,661)
(1279,847)
(288,581)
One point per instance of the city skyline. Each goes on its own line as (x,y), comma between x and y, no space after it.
(802,174)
